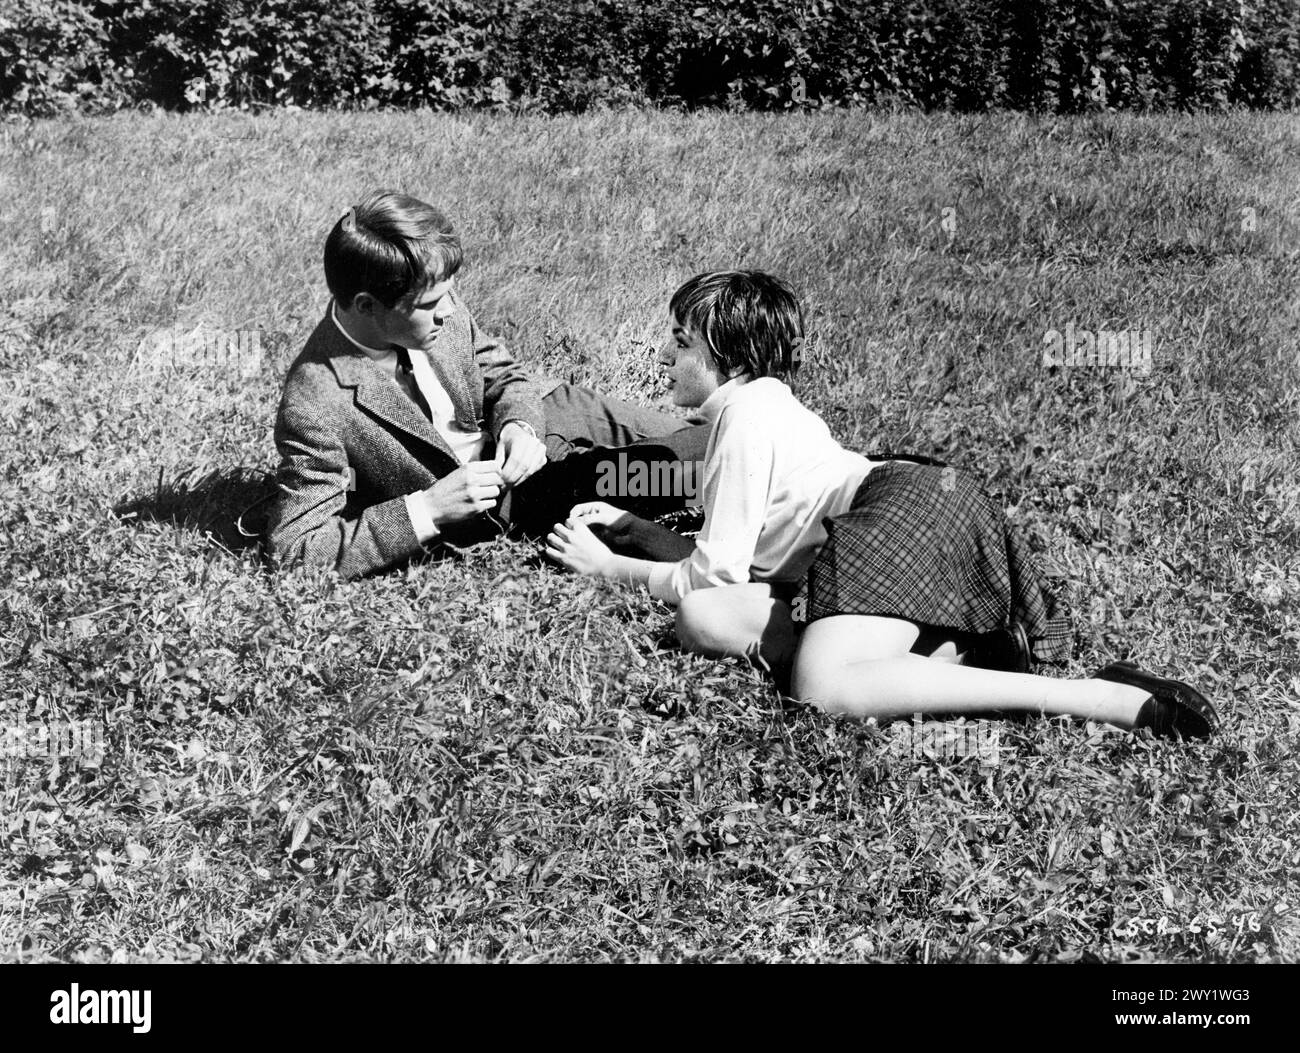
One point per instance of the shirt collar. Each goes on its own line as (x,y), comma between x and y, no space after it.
(711,408)
(378,354)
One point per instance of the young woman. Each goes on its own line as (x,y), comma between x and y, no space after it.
(874,588)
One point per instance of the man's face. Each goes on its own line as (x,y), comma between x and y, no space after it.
(691,372)
(417,318)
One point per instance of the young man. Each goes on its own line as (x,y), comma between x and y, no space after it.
(402,424)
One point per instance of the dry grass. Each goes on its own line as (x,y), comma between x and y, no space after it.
(488,759)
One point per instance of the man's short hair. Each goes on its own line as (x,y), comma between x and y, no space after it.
(751,321)
(389,245)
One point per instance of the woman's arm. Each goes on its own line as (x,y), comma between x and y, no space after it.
(573,544)
(737,488)
(737,483)
(646,539)
(629,569)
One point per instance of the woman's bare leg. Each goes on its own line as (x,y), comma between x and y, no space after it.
(859,665)
(746,621)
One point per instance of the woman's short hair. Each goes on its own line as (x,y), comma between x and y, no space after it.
(389,245)
(751,321)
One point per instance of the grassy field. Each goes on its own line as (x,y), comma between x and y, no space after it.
(488,759)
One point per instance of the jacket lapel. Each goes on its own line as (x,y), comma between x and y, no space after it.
(440,358)
(453,383)
(379,395)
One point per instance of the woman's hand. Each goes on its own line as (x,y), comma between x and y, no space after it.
(573,544)
(596,513)
(612,525)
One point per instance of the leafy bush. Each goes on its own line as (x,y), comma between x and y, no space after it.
(568,55)
(439,52)
(214,54)
(54,58)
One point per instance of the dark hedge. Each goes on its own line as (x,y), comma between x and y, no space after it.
(569,55)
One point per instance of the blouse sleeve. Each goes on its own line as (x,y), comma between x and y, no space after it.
(737,482)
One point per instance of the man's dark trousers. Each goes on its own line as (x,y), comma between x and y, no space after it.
(587,434)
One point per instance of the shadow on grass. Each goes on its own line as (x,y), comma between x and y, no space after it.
(229,505)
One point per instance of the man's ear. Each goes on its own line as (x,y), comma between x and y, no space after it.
(363,303)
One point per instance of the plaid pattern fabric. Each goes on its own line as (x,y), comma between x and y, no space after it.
(925,543)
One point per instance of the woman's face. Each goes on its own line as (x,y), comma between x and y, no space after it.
(691,372)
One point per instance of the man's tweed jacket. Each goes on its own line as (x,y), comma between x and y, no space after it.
(352,444)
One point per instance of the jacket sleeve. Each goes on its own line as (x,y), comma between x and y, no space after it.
(508,391)
(307,522)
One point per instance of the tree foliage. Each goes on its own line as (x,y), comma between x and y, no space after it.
(570,55)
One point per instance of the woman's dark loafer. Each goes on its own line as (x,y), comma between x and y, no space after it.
(1006,650)
(1174,709)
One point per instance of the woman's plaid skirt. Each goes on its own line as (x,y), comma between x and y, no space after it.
(925,543)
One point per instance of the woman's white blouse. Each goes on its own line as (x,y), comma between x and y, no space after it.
(772,473)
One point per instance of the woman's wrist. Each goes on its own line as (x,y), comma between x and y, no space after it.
(607,568)
(626,569)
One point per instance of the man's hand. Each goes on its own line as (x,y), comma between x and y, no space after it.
(468,491)
(519,453)
(574,545)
